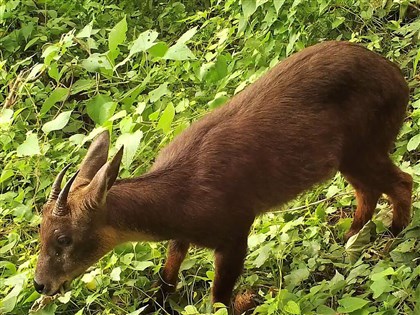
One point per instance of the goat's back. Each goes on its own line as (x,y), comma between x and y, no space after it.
(289,130)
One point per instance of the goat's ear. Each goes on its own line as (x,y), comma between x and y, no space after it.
(114,167)
(95,158)
(105,178)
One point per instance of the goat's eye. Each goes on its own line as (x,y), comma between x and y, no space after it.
(64,240)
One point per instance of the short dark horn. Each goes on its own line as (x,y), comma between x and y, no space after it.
(60,206)
(56,187)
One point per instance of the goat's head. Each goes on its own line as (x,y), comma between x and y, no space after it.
(73,231)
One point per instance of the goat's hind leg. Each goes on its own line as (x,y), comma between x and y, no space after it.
(366,199)
(376,176)
(399,191)
(229,261)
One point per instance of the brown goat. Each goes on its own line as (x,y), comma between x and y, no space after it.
(335,106)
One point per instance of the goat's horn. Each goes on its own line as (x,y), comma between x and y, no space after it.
(60,206)
(56,187)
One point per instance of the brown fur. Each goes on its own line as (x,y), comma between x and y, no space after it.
(332,107)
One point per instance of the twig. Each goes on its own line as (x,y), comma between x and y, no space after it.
(414,7)
(11,97)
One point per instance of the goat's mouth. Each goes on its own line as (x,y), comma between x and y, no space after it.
(63,288)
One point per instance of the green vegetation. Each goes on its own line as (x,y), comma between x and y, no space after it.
(146,70)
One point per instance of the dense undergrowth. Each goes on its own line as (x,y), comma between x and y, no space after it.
(145,70)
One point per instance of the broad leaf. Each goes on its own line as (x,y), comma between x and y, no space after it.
(413,143)
(167,117)
(160,91)
(144,42)
(86,31)
(29,147)
(158,50)
(117,35)
(131,142)
(249,7)
(100,108)
(115,274)
(95,62)
(58,123)
(351,304)
(58,95)
(179,51)
(357,243)
(292,307)
(187,35)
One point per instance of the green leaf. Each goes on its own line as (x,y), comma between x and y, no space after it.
(157,93)
(100,108)
(292,307)
(50,53)
(249,7)
(179,51)
(65,298)
(263,254)
(115,274)
(325,310)
(337,283)
(82,85)
(182,105)
(117,35)
(415,62)
(47,310)
(357,243)
(36,70)
(337,22)
(131,142)
(292,40)
(278,4)
(86,31)
(27,30)
(95,62)
(413,143)
(387,272)
(380,286)
(260,2)
(295,277)
(141,265)
(6,174)
(190,310)
(6,116)
(166,119)
(187,35)
(351,304)
(58,123)
(221,311)
(332,191)
(139,311)
(29,147)
(58,95)
(8,303)
(158,50)
(145,41)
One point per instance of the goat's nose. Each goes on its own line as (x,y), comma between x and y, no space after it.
(38,287)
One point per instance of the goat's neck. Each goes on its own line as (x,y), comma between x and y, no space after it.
(143,209)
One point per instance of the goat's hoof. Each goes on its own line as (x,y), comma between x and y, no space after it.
(245,302)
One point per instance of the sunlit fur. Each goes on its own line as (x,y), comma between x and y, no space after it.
(332,107)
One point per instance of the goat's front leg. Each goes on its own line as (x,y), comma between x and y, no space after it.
(229,260)
(177,250)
